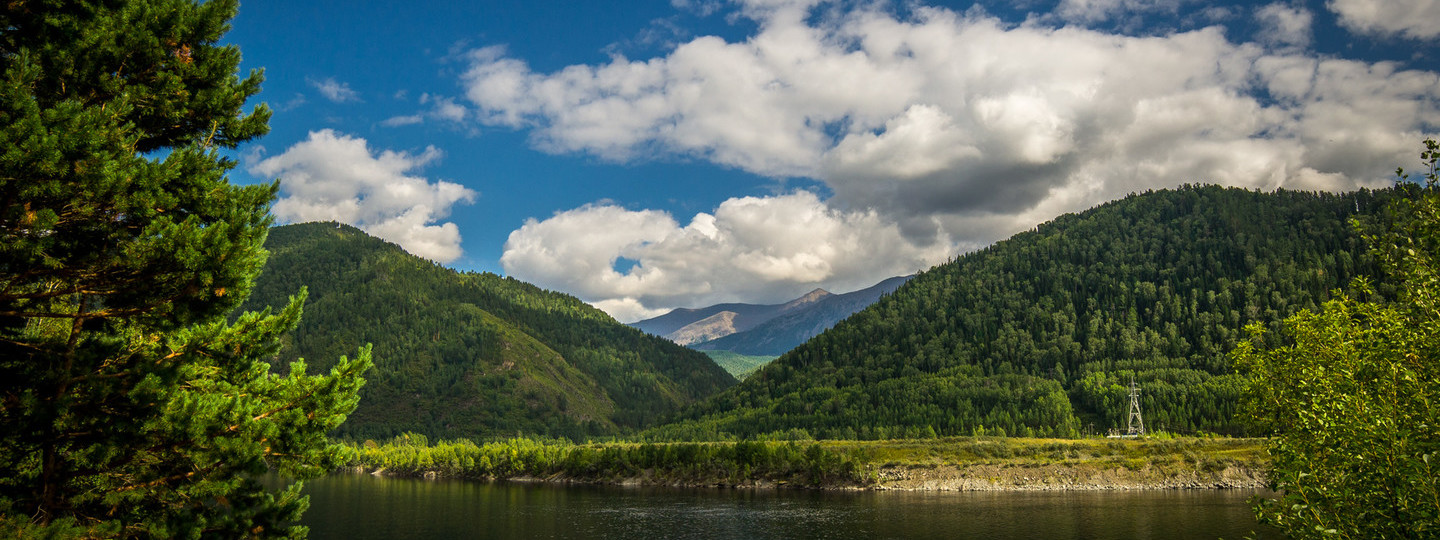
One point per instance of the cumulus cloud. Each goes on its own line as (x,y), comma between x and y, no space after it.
(749,248)
(960,128)
(337,177)
(335,91)
(1415,19)
(950,112)
(1284,25)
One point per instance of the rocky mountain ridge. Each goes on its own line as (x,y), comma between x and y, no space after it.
(763,330)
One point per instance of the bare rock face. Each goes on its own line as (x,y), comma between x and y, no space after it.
(713,327)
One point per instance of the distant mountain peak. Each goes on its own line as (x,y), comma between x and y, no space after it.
(809,298)
(799,320)
(722,326)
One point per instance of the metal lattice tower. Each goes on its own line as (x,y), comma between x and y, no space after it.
(1136,426)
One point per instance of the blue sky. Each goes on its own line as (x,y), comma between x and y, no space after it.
(655,154)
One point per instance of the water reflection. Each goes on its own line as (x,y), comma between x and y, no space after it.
(365,507)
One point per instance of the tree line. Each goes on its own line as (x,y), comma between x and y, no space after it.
(730,463)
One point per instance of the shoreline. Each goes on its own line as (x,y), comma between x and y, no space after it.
(922,478)
(1062,477)
(949,464)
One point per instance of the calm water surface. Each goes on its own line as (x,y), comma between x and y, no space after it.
(366,507)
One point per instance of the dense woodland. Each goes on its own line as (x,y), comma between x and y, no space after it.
(470,354)
(1040,334)
(737,364)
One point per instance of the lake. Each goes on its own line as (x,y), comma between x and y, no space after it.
(366,507)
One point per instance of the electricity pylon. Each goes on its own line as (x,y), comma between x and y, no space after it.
(1136,426)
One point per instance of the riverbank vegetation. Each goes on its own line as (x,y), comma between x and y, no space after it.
(1352,397)
(848,464)
(735,463)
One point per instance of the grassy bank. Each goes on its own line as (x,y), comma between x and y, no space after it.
(990,463)
(960,463)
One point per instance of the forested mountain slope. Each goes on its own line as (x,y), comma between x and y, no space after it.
(470,354)
(1040,333)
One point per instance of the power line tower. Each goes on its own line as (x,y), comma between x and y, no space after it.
(1136,426)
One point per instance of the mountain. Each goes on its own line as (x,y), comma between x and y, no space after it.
(470,354)
(718,325)
(790,328)
(686,326)
(1041,333)
(763,330)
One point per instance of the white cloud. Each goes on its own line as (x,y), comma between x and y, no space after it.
(709,99)
(335,91)
(703,8)
(337,177)
(749,249)
(960,129)
(1283,25)
(1415,19)
(406,120)
(291,104)
(446,109)
(1091,11)
(441,108)
(1138,17)
(996,117)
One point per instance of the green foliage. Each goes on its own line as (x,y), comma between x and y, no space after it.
(826,464)
(678,463)
(471,355)
(1353,401)
(738,365)
(129,405)
(1040,334)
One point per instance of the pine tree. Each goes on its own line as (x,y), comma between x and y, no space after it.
(131,403)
